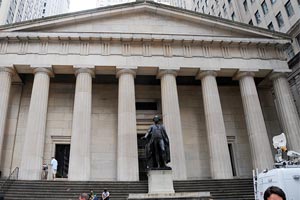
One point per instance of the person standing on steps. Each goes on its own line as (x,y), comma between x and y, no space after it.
(54,165)
(105,195)
(45,171)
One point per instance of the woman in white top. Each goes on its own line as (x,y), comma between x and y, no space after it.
(105,195)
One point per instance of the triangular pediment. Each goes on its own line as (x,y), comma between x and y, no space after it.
(145,18)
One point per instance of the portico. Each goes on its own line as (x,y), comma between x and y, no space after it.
(81,81)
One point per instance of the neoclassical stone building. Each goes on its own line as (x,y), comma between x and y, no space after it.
(84,86)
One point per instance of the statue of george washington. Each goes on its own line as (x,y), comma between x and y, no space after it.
(157,147)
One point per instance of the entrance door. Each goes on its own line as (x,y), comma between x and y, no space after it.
(231,153)
(142,158)
(62,154)
(145,110)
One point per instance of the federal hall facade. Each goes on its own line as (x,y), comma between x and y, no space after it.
(84,86)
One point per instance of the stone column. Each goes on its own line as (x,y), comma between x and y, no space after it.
(217,142)
(287,110)
(34,141)
(6,74)
(79,166)
(259,143)
(172,122)
(128,168)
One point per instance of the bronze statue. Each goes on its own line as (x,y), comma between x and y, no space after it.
(157,147)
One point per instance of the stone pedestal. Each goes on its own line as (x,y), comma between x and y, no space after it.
(160,182)
(175,196)
(160,186)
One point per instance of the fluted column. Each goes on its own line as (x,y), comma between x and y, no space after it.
(257,132)
(34,141)
(220,164)
(128,169)
(5,82)
(287,110)
(172,122)
(79,166)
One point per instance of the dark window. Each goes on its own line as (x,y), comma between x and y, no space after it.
(279,20)
(289,9)
(219,14)
(271,27)
(245,5)
(273,1)
(224,9)
(264,7)
(229,1)
(233,16)
(146,105)
(299,2)
(250,22)
(290,52)
(257,17)
(298,38)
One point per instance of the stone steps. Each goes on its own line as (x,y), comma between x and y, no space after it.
(67,190)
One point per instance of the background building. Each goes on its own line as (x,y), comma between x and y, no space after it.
(20,10)
(275,15)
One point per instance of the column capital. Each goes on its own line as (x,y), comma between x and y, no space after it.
(166,71)
(85,70)
(10,70)
(275,75)
(202,74)
(47,71)
(125,71)
(242,74)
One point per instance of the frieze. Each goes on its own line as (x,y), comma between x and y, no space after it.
(23,47)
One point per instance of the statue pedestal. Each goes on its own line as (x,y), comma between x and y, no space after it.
(160,186)
(160,182)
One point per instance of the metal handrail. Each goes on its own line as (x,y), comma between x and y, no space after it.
(14,175)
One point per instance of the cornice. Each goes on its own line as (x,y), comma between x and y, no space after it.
(138,37)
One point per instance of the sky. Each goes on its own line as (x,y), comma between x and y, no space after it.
(76,5)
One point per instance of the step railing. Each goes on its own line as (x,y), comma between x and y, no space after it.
(9,181)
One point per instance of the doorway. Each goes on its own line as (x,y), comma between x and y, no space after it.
(232,160)
(62,155)
(142,158)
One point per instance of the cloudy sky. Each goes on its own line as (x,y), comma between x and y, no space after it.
(76,5)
